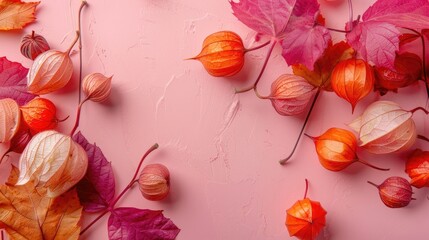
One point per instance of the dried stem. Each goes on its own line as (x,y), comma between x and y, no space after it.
(73,43)
(338,30)
(306,188)
(370,165)
(283,161)
(261,72)
(350,14)
(128,187)
(32,36)
(421,137)
(4,155)
(257,47)
(79,25)
(76,124)
(375,185)
(419,108)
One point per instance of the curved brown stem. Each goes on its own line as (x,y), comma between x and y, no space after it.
(79,25)
(373,184)
(73,43)
(306,188)
(350,14)
(283,161)
(421,137)
(76,124)
(421,109)
(64,119)
(261,72)
(4,155)
(373,166)
(257,47)
(337,30)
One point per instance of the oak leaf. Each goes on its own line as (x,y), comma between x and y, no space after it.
(28,214)
(15,14)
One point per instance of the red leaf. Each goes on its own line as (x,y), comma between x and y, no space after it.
(133,224)
(292,22)
(376,37)
(97,189)
(13,81)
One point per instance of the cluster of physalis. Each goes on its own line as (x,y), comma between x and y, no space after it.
(352,69)
(62,175)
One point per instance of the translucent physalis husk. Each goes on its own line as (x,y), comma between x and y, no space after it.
(10,119)
(222,54)
(54,161)
(384,127)
(32,45)
(290,94)
(417,167)
(336,149)
(97,87)
(154,182)
(352,79)
(40,115)
(395,192)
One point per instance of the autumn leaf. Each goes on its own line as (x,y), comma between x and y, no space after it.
(294,23)
(376,37)
(97,189)
(13,81)
(15,14)
(28,214)
(133,223)
(320,76)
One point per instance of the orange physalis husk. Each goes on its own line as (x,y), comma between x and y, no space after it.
(10,118)
(305,219)
(54,161)
(32,45)
(384,127)
(50,71)
(290,94)
(336,149)
(417,167)
(395,192)
(97,87)
(40,115)
(408,69)
(352,79)
(154,182)
(222,54)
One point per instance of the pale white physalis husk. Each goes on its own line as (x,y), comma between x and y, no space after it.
(50,71)
(10,118)
(54,161)
(384,127)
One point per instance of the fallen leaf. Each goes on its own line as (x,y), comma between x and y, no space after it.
(376,38)
(320,76)
(133,223)
(28,214)
(10,119)
(15,14)
(97,189)
(293,23)
(13,81)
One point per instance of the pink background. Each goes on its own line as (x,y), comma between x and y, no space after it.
(222,149)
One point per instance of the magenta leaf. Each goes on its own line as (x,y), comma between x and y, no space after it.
(13,81)
(291,22)
(97,189)
(140,224)
(376,37)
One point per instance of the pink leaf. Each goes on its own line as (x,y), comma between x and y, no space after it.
(376,37)
(292,22)
(305,45)
(13,81)
(133,224)
(97,189)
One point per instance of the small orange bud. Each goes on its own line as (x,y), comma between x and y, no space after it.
(352,79)
(154,182)
(40,115)
(32,45)
(222,54)
(97,87)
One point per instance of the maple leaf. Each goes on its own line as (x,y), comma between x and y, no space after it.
(293,23)
(97,189)
(26,213)
(15,14)
(133,223)
(376,37)
(320,76)
(13,81)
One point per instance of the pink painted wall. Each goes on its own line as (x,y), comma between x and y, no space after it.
(222,149)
